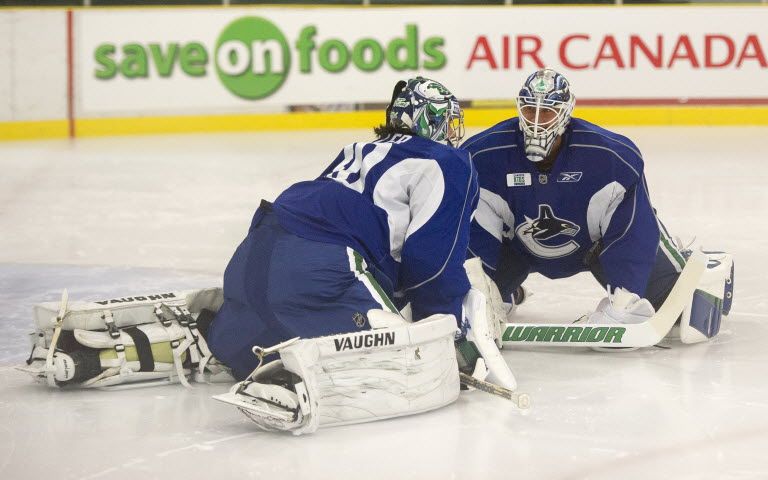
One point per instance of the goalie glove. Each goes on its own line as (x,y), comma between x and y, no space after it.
(622,306)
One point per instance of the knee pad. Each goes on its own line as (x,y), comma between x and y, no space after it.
(392,370)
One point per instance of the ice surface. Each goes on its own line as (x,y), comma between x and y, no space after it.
(106,217)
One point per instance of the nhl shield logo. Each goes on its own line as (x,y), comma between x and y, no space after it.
(359,319)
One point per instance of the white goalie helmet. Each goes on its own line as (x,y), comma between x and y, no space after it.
(544,105)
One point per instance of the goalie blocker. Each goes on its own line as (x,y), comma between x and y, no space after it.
(130,341)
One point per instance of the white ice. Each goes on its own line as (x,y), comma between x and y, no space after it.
(116,216)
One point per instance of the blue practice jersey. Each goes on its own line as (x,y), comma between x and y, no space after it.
(595,192)
(405,204)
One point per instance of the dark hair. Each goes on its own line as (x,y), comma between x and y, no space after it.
(385,130)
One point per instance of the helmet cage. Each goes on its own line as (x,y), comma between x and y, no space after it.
(540,117)
(455,119)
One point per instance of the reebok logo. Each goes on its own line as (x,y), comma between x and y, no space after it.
(569,177)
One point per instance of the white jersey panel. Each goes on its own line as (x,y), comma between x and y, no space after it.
(410,192)
(601,208)
(355,163)
(493,214)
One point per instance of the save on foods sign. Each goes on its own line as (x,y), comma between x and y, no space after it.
(244,60)
(253,59)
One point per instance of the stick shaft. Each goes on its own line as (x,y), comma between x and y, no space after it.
(522,400)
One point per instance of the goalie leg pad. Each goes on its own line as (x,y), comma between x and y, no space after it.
(711,300)
(728,294)
(395,370)
(140,339)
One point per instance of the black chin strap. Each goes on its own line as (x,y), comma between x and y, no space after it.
(399,87)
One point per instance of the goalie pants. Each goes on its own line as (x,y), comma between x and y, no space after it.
(664,274)
(278,286)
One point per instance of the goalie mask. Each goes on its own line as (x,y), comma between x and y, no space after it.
(544,105)
(428,109)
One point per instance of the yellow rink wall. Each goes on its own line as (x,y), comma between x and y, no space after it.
(474,117)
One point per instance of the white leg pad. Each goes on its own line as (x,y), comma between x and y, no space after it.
(126,311)
(701,318)
(354,378)
(164,321)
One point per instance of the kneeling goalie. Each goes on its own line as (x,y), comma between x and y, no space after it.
(318,278)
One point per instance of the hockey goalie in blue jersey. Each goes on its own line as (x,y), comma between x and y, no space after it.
(560,195)
(386,223)
(307,317)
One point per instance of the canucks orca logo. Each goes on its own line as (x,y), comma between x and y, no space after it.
(546,227)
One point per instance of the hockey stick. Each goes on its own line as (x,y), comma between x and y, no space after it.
(644,334)
(521,400)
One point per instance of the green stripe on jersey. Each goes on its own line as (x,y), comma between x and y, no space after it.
(391,306)
(359,262)
(672,250)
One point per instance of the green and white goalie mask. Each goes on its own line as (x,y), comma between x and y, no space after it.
(138,340)
(544,106)
(428,109)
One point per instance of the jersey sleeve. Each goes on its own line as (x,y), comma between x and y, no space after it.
(432,271)
(345,155)
(631,240)
(490,223)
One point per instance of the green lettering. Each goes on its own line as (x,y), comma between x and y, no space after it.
(435,57)
(164,62)
(410,45)
(537,334)
(305,45)
(134,62)
(376,55)
(515,334)
(584,334)
(554,334)
(194,58)
(614,334)
(597,334)
(571,334)
(103,56)
(342,56)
